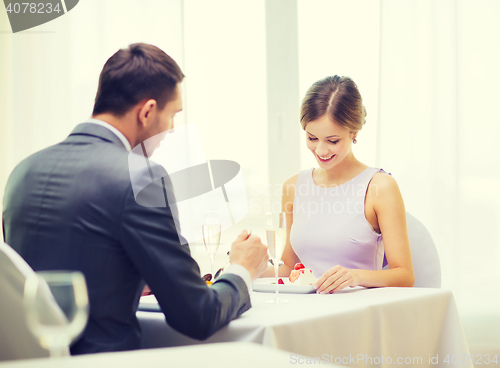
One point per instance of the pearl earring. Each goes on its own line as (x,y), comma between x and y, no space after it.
(354,141)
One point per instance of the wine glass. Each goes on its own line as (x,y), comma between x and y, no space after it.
(276,240)
(56,306)
(211,235)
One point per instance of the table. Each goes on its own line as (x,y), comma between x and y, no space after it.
(230,355)
(355,327)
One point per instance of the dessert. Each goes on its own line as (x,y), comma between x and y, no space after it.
(208,279)
(301,275)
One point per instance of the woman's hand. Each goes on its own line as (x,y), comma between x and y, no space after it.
(335,279)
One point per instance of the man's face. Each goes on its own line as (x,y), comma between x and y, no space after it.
(165,118)
(164,121)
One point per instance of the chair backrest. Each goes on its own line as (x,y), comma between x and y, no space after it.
(424,254)
(16,341)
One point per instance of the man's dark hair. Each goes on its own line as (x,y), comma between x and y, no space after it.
(136,73)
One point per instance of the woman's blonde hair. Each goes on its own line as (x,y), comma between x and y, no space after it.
(338,98)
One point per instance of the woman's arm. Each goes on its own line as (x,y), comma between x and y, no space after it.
(289,257)
(389,208)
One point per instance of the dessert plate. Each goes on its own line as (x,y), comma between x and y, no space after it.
(267,285)
(149,303)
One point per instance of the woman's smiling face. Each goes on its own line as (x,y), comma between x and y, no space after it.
(329,142)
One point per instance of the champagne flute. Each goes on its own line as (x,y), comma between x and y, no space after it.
(56,306)
(211,235)
(276,240)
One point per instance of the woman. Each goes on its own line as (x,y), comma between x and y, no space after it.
(337,214)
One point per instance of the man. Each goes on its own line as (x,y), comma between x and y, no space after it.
(72,206)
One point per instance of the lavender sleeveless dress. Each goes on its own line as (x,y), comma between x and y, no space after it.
(329,225)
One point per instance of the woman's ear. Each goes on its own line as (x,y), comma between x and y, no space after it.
(353,137)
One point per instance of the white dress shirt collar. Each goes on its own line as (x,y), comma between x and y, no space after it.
(119,134)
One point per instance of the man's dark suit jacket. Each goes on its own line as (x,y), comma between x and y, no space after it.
(72,207)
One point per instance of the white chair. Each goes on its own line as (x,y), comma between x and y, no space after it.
(16,341)
(424,255)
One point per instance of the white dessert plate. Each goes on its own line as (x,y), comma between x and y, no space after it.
(149,303)
(267,285)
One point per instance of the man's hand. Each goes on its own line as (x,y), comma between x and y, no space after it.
(248,251)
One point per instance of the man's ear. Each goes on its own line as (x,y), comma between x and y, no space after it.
(147,112)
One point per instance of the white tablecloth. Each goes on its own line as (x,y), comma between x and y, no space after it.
(381,327)
(227,355)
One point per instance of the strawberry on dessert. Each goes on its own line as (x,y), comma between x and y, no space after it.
(301,275)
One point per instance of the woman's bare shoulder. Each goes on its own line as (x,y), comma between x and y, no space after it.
(292,180)
(384,189)
(384,181)
(289,185)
